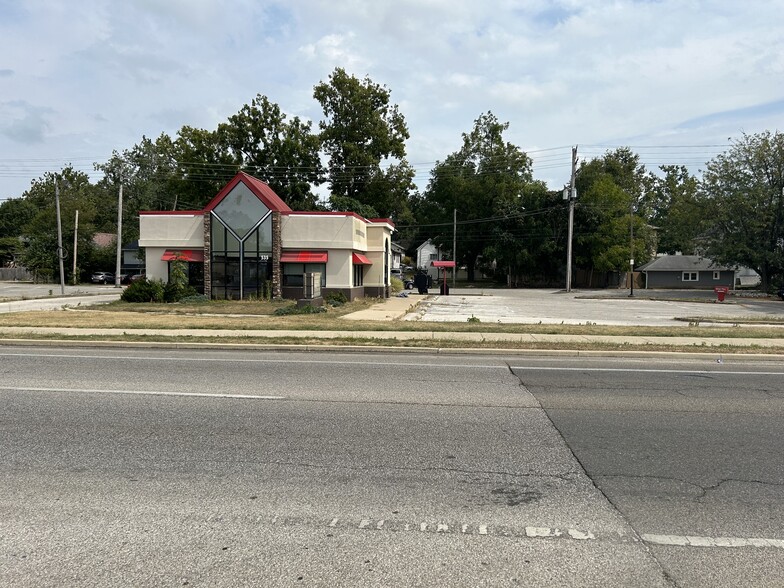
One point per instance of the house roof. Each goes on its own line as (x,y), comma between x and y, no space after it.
(261,190)
(103,239)
(679,263)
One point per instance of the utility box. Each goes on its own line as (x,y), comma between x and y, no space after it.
(311,290)
(312,282)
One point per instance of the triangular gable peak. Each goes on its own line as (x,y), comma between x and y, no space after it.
(261,190)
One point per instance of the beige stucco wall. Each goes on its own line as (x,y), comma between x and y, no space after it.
(183,231)
(155,268)
(378,235)
(340,236)
(322,232)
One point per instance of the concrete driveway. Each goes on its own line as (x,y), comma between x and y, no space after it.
(20,296)
(601,307)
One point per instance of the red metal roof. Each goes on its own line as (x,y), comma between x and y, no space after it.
(360,259)
(183,255)
(303,257)
(261,190)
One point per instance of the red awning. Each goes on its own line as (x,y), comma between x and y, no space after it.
(304,257)
(183,255)
(360,259)
(442,263)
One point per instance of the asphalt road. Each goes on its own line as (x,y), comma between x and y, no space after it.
(152,468)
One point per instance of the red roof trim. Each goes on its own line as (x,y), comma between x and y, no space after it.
(387,221)
(323,213)
(303,257)
(261,190)
(171,212)
(360,259)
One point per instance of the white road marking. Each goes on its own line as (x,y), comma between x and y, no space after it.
(554,533)
(542,532)
(144,393)
(642,370)
(698,541)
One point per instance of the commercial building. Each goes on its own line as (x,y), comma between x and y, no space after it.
(248,243)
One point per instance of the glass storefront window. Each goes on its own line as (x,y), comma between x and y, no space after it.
(241,210)
(292,273)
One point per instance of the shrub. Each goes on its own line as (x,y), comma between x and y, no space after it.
(174,292)
(396,284)
(335,299)
(294,309)
(194,299)
(143,291)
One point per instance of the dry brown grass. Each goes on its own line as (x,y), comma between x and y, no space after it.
(252,315)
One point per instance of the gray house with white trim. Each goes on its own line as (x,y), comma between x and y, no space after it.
(686,271)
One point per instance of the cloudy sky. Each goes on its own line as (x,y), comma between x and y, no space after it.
(676,80)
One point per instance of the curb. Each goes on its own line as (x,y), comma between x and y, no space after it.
(709,354)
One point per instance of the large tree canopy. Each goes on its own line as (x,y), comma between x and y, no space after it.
(284,154)
(610,190)
(361,129)
(743,194)
(484,181)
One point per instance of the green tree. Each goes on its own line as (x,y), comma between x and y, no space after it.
(361,129)
(674,209)
(529,240)
(76,193)
(484,181)
(610,192)
(743,194)
(14,216)
(284,154)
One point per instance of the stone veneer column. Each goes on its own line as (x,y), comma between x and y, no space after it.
(277,248)
(207,255)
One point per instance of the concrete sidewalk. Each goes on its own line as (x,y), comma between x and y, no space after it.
(434,336)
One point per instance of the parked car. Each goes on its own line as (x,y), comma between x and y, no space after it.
(102,278)
(130,278)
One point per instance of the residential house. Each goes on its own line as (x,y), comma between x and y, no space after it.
(686,271)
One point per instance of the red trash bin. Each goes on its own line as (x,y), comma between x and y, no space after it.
(721,292)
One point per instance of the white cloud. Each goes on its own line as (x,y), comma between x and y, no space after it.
(97,75)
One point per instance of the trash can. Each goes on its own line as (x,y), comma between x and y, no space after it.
(721,292)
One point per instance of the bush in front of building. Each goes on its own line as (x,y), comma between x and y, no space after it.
(143,291)
(396,284)
(335,299)
(175,292)
(294,309)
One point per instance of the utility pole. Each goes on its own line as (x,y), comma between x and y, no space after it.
(570,193)
(76,234)
(60,253)
(631,247)
(454,248)
(119,240)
